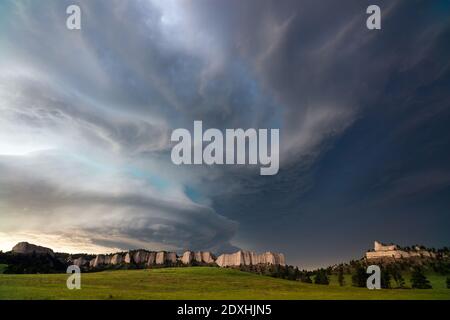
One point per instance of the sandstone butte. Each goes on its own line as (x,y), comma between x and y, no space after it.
(28,248)
(389,252)
(152,258)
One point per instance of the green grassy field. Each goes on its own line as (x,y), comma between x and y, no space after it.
(196,283)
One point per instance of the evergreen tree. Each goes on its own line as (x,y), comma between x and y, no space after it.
(448,282)
(276,271)
(341,279)
(284,272)
(329,271)
(418,280)
(397,276)
(296,274)
(304,277)
(321,277)
(359,277)
(385,279)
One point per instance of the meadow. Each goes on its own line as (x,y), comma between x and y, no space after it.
(196,283)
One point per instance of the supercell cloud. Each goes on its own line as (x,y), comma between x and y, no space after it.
(86,117)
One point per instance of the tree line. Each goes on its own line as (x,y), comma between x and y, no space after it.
(392,275)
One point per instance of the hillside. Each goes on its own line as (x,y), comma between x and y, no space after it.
(196,283)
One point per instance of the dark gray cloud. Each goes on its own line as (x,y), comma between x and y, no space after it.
(86,118)
(123,215)
(319,62)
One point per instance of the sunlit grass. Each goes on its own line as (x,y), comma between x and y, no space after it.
(196,283)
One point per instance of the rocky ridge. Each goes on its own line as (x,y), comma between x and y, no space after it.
(249,258)
(392,252)
(28,248)
(145,258)
(163,258)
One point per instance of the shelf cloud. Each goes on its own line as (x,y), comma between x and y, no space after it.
(86,117)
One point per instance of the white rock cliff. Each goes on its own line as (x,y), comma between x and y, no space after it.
(28,248)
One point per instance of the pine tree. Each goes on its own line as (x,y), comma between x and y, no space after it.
(341,279)
(385,279)
(304,277)
(359,277)
(285,272)
(397,276)
(296,273)
(418,280)
(276,271)
(321,277)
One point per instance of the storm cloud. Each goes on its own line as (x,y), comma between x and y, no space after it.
(86,117)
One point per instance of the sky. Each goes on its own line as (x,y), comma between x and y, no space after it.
(86,117)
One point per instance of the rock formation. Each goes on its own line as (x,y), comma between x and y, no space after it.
(200,256)
(28,248)
(204,257)
(378,246)
(80,262)
(208,257)
(151,258)
(187,257)
(140,256)
(164,257)
(249,258)
(170,258)
(160,257)
(128,258)
(136,257)
(272,258)
(99,260)
(117,259)
(107,259)
(383,252)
